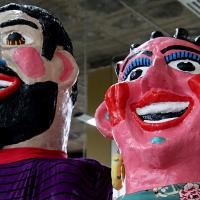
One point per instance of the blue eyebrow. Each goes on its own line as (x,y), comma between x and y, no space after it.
(144,52)
(139,62)
(182,55)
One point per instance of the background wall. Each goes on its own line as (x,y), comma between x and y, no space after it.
(99,80)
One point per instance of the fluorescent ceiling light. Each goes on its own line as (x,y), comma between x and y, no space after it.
(192,5)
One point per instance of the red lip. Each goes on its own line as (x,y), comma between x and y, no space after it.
(160,96)
(15,83)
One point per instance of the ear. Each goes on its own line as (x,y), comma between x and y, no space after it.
(102,121)
(69,72)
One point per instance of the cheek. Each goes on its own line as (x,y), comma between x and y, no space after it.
(29,62)
(116,100)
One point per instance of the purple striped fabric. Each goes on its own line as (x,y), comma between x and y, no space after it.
(55,179)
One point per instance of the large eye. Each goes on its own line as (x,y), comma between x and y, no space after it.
(184,61)
(16,38)
(136,69)
(189,66)
(136,73)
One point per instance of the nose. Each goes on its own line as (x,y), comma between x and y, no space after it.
(158,76)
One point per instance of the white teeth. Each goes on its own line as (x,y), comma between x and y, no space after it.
(159,121)
(5,83)
(162,107)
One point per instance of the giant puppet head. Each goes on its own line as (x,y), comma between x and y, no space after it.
(36,68)
(153,112)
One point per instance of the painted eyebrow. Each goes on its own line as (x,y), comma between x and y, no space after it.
(179,47)
(145,52)
(18,22)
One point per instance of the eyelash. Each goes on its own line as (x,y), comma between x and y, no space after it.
(182,55)
(136,63)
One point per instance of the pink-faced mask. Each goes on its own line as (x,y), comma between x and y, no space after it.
(153,113)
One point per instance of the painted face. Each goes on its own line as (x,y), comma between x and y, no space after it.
(29,82)
(161,73)
(154,109)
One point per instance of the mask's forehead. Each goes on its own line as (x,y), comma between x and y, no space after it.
(17,14)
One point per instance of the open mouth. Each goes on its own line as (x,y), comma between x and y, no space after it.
(8,85)
(161,110)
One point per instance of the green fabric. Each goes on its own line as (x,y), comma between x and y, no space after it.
(147,195)
(186,191)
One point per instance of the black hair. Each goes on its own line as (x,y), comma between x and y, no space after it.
(180,33)
(54,33)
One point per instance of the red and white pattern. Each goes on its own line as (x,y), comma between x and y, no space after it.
(190,192)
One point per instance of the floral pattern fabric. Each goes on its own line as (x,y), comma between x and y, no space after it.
(187,191)
(190,191)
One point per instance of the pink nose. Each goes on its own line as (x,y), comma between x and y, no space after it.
(158,76)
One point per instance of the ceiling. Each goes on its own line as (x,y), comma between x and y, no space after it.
(101,29)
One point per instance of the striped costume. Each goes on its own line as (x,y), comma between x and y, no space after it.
(38,174)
